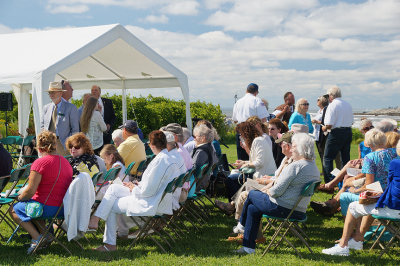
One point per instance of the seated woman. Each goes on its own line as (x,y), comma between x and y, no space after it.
(139,199)
(49,179)
(260,157)
(301,115)
(363,150)
(83,158)
(375,168)
(275,128)
(203,152)
(112,158)
(281,197)
(359,219)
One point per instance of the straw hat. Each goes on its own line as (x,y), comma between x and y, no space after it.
(55,86)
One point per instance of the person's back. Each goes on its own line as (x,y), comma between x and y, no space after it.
(132,150)
(96,129)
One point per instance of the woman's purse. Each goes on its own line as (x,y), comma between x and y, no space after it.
(35,209)
(369,197)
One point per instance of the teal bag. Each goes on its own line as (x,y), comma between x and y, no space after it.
(34,209)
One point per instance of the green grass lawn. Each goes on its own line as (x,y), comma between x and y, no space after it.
(205,247)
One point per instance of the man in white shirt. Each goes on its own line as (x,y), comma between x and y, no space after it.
(247,106)
(338,119)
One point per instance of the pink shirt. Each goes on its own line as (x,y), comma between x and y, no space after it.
(48,167)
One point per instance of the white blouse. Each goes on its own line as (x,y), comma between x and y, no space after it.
(96,129)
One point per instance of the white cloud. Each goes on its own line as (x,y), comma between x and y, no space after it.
(156,19)
(215,4)
(184,7)
(72,9)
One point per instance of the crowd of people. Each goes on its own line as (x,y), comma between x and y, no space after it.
(276,159)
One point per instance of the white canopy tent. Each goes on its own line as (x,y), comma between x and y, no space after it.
(109,56)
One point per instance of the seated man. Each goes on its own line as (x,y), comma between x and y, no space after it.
(132,149)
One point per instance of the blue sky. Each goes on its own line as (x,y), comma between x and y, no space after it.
(222,45)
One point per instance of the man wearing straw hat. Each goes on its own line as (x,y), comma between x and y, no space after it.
(60,117)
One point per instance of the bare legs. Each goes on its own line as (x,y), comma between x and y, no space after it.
(28,226)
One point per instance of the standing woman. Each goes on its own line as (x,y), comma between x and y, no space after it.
(92,124)
(301,115)
(320,138)
(49,179)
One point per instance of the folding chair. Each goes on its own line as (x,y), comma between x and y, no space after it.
(96,177)
(128,170)
(290,224)
(110,176)
(139,171)
(153,223)
(8,197)
(393,226)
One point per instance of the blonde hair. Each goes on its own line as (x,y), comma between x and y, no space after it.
(298,104)
(392,138)
(46,141)
(87,113)
(375,138)
(110,149)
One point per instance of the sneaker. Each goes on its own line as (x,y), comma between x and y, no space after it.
(33,245)
(337,250)
(244,251)
(357,245)
(238,229)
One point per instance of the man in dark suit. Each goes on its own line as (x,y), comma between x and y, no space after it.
(107,111)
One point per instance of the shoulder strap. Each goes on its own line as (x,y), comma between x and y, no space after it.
(59,171)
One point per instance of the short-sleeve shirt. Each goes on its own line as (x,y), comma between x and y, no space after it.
(49,167)
(339,114)
(377,163)
(247,106)
(132,150)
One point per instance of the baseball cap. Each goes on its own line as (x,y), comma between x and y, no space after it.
(286,137)
(130,125)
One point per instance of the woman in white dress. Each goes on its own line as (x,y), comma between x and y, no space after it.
(92,124)
(138,199)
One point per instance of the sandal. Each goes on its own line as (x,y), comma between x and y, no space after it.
(226,208)
(322,188)
(103,248)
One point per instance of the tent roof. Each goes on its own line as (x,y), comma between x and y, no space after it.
(105,54)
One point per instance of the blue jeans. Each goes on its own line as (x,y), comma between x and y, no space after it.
(256,205)
(339,140)
(345,199)
(233,184)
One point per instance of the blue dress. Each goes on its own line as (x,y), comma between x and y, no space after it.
(364,150)
(297,118)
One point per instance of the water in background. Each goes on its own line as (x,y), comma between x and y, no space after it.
(357,118)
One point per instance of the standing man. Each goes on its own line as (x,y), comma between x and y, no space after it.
(67,90)
(132,149)
(285,111)
(107,111)
(247,106)
(338,120)
(60,117)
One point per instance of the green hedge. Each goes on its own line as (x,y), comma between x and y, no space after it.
(154,112)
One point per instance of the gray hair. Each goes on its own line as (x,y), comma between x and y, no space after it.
(186,134)
(304,145)
(324,101)
(375,138)
(203,130)
(365,122)
(215,133)
(117,134)
(386,125)
(335,92)
(299,102)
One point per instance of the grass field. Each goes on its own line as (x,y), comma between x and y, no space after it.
(206,247)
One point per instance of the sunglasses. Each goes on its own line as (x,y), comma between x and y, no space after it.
(305,104)
(367,128)
(77,147)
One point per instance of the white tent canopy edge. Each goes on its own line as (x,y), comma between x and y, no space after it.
(168,75)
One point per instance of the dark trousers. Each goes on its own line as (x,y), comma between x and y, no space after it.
(321,151)
(339,140)
(234,182)
(241,153)
(256,205)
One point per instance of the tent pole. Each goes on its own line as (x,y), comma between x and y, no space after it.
(124,112)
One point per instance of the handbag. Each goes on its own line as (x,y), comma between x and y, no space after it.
(369,197)
(35,209)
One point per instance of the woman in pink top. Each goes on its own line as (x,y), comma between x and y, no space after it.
(49,179)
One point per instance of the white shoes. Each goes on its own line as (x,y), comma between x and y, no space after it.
(238,229)
(244,251)
(357,245)
(337,250)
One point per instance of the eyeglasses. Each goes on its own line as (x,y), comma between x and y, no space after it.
(77,147)
(271,128)
(367,128)
(305,104)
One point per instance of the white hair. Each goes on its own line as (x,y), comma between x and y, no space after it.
(186,134)
(386,125)
(364,123)
(335,92)
(375,138)
(203,130)
(304,145)
(117,134)
(299,102)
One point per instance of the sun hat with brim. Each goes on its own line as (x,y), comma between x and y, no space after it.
(286,137)
(55,87)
